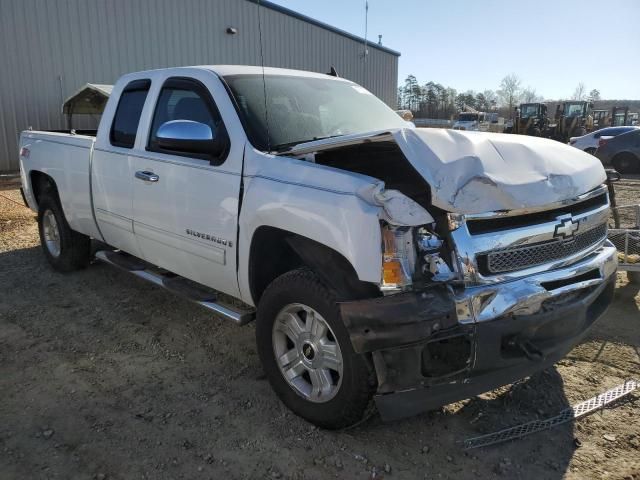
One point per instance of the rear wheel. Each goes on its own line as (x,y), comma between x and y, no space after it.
(65,249)
(307,355)
(625,162)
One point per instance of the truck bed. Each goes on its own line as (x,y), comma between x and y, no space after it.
(65,157)
(78,137)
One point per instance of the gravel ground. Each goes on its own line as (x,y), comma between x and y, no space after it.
(103,376)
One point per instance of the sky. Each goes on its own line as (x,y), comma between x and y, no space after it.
(552,45)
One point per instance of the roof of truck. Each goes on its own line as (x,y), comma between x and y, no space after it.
(224,70)
(228,70)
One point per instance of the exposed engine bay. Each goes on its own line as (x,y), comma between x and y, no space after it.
(413,250)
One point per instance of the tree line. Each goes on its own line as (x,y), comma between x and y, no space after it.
(434,100)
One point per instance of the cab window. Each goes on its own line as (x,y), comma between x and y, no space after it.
(185,99)
(127,117)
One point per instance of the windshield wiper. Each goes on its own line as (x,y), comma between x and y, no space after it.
(283,147)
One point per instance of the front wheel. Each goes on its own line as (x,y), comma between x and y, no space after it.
(65,249)
(307,355)
(590,150)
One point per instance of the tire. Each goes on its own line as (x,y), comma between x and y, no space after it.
(625,162)
(590,150)
(633,277)
(346,400)
(65,249)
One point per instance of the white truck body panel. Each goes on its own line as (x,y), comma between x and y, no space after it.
(314,201)
(112,179)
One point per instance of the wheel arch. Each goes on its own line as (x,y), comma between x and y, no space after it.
(274,251)
(40,183)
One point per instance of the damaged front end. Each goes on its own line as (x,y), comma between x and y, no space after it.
(490,300)
(411,247)
(494,262)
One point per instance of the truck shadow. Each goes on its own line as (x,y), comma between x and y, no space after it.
(545,454)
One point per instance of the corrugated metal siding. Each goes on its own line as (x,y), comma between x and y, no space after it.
(51,48)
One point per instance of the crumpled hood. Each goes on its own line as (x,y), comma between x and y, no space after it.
(477,172)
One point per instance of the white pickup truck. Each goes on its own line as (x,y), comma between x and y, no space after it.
(411,266)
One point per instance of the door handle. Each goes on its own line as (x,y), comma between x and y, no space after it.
(147,176)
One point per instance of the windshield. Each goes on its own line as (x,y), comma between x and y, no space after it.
(467,117)
(528,111)
(573,109)
(302,109)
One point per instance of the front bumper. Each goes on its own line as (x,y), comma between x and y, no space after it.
(439,346)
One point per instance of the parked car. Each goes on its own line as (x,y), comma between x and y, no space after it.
(622,152)
(408,265)
(472,121)
(591,141)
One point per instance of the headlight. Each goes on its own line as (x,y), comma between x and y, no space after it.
(398,259)
(406,248)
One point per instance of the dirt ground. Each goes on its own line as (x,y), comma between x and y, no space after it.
(103,376)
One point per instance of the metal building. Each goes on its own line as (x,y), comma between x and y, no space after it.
(49,49)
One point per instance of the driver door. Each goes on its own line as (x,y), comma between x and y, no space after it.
(186,203)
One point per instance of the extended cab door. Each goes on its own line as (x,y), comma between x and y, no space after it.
(112,166)
(186,203)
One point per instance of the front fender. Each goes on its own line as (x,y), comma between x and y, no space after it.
(316,202)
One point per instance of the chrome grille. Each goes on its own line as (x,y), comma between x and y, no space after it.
(519,258)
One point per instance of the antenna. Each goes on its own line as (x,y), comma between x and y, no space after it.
(366,26)
(264,83)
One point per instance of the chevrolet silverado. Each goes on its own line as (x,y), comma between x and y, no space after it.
(410,267)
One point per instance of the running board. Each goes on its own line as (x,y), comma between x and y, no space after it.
(203,296)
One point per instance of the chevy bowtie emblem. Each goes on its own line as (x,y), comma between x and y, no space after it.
(566,228)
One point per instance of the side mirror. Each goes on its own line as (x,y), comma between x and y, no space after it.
(187,136)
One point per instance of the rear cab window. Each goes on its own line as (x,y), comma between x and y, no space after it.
(127,117)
